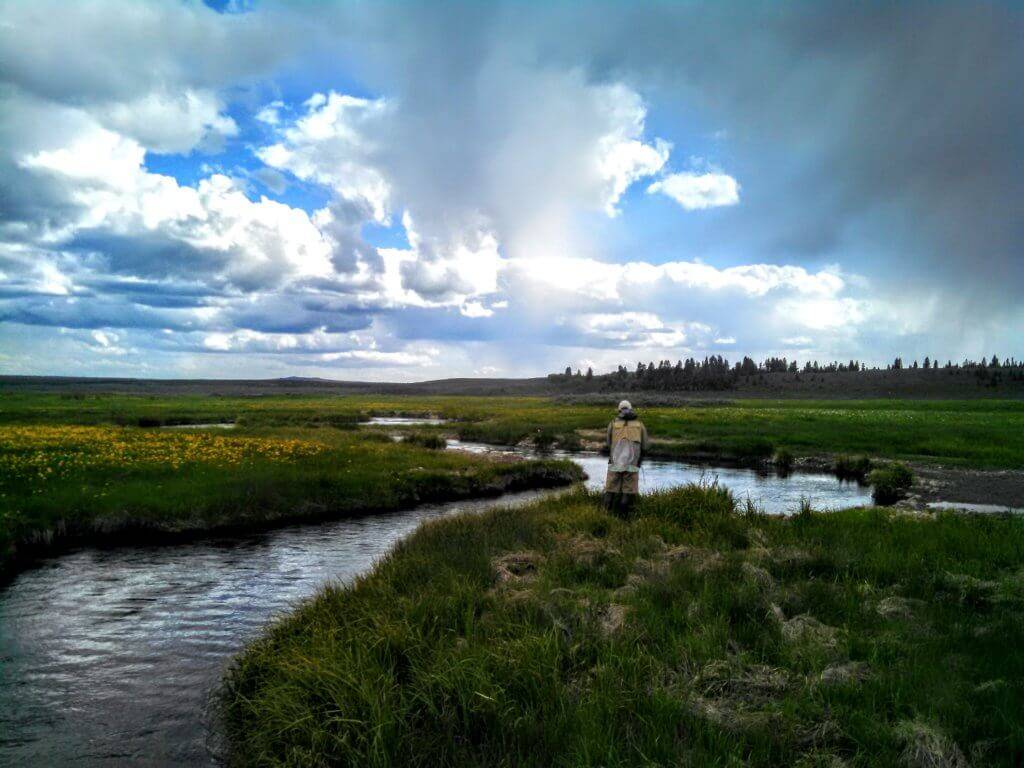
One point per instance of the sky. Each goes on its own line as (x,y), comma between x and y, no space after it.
(404,191)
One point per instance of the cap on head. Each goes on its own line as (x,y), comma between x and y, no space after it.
(625,406)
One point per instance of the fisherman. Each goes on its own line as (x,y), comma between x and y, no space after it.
(627,442)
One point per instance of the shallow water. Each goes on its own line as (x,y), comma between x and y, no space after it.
(109,656)
(212,425)
(402,421)
(987,509)
(770,492)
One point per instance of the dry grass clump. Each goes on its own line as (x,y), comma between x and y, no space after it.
(927,747)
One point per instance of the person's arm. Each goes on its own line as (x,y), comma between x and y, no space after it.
(608,439)
(643,444)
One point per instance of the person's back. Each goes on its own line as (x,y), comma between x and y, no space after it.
(627,441)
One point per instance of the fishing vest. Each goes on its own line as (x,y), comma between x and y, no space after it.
(624,451)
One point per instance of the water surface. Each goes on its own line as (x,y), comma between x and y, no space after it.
(211,425)
(403,421)
(109,656)
(985,509)
(770,492)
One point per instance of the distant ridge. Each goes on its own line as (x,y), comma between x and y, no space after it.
(287,385)
(935,384)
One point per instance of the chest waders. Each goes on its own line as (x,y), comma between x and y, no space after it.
(624,453)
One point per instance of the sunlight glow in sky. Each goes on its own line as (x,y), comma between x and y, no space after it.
(407,191)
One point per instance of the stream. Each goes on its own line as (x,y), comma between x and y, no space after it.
(110,656)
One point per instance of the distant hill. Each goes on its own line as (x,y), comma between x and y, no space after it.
(939,383)
(291,385)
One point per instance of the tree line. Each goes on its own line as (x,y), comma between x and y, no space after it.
(715,372)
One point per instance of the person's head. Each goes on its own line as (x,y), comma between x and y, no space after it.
(625,407)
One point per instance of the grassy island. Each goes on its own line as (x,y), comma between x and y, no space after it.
(66,483)
(689,635)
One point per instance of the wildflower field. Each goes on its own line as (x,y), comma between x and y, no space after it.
(35,455)
(970,433)
(67,482)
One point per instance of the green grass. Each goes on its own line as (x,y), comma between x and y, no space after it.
(890,483)
(985,434)
(62,483)
(558,635)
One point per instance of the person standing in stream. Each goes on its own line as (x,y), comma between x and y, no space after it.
(627,442)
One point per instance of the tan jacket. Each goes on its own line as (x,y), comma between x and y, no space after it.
(626,459)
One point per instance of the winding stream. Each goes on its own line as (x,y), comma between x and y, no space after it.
(109,656)
(771,493)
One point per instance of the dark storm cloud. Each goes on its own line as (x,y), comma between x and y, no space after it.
(292,313)
(887,134)
(151,293)
(149,254)
(65,312)
(882,135)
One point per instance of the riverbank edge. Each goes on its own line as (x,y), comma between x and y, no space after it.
(583,540)
(934,481)
(67,535)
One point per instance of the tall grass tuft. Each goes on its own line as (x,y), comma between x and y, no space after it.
(852,467)
(426,440)
(890,483)
(783,461)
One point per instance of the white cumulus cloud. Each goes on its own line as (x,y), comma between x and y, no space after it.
(697,191)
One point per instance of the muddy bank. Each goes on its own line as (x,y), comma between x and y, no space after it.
(1002,488)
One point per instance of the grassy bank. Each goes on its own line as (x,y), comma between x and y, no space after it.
(557,635)
(66,483)
(976,433)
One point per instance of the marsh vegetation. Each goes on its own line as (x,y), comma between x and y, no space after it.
(80,464)
(558,635)
(969,433)
(62,484)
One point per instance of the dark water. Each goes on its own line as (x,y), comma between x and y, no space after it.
(109,656)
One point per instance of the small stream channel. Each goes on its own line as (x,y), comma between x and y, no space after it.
(109,656)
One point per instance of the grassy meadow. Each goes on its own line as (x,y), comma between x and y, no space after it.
(557,635)
(969,433)
(62,482)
